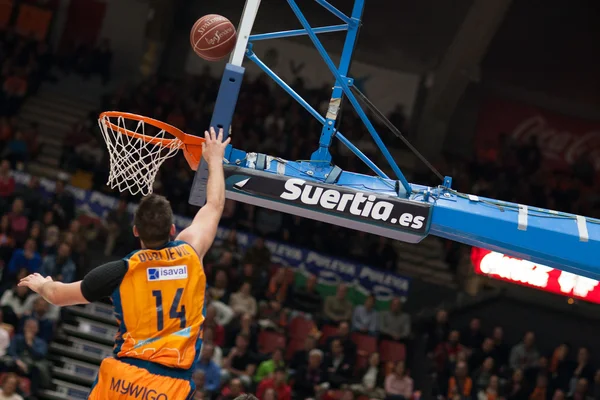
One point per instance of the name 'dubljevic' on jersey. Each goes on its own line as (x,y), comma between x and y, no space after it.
(355,203)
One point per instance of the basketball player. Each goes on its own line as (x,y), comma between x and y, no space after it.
(157,294)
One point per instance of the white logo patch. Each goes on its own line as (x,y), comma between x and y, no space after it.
(167,273)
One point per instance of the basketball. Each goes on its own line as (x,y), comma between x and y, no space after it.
(213,37)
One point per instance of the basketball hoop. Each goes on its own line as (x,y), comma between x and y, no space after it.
(138,146)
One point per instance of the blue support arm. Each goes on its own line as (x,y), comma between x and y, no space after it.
(296,32)
(558,240)
(343,82)
(252,57)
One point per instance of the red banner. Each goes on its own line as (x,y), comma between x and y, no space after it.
(562,139)
(514,270)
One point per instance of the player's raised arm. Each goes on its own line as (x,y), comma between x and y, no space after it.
(201,233)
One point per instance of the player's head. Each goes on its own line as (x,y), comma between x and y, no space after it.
(153,221)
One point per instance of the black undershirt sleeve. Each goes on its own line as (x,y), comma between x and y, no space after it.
(102,281)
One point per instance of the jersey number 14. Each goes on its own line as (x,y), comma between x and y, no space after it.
(174,313)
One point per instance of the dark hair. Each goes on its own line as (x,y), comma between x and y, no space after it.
(153,220)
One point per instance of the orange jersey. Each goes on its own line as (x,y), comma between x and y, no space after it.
(159,306)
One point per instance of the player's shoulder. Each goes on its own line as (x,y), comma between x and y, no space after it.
(179,242)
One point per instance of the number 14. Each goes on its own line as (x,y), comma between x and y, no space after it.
(173,313)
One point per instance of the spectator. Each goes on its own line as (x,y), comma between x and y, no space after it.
(242,302)
(9,388)
(15,300)
(339,367)
(248,327)
(210,321)
(268,367)
(364,317)
(26,258)
(483,374)
(524,355)
(41,315)
(28,353)
(234,389)
(561,368)
(371,379)
(300,357)
(583,369)
(240,363)
(491,391)
(50,246)
(258,279)
(398,385)
(438,331)
(501,350)
(258,254)
(18,221)
(63,204)
(208,339)
(272,316)
(460,383)
(5,331)
(308,299)
(117,226)
(277,383)
(219,291)
(595,392)
(211,371)
(479,355)
(472,338)
(540,391)
(7,241)
(447,353)
(343,335)
(199,380)
(581,390)
(7,184)
(516,388)
(34,203)
(60,266)
(278,286)
(310,379)
(16,150)
(393,323)
(338,308)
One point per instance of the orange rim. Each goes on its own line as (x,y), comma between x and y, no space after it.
(178,133)
(192,144)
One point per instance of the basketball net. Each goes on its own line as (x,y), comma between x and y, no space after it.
(136,151)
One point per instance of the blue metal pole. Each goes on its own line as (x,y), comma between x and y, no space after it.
(342,81)
(328,130)
(252,57)
(297,32)
(335,11)
(221,118)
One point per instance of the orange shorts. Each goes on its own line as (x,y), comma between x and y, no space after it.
(121,381)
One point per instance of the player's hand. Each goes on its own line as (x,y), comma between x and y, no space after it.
(34,281)
(213,148)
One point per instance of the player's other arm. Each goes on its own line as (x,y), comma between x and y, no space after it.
(201,233)
(99,283)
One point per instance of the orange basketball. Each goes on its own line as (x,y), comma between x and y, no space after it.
(213,37)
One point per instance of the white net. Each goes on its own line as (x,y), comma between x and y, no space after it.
(136,151)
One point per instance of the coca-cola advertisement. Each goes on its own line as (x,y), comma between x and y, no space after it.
(562,139)
(526,273)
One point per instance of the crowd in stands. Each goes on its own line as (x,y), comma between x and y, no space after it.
(24,64)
